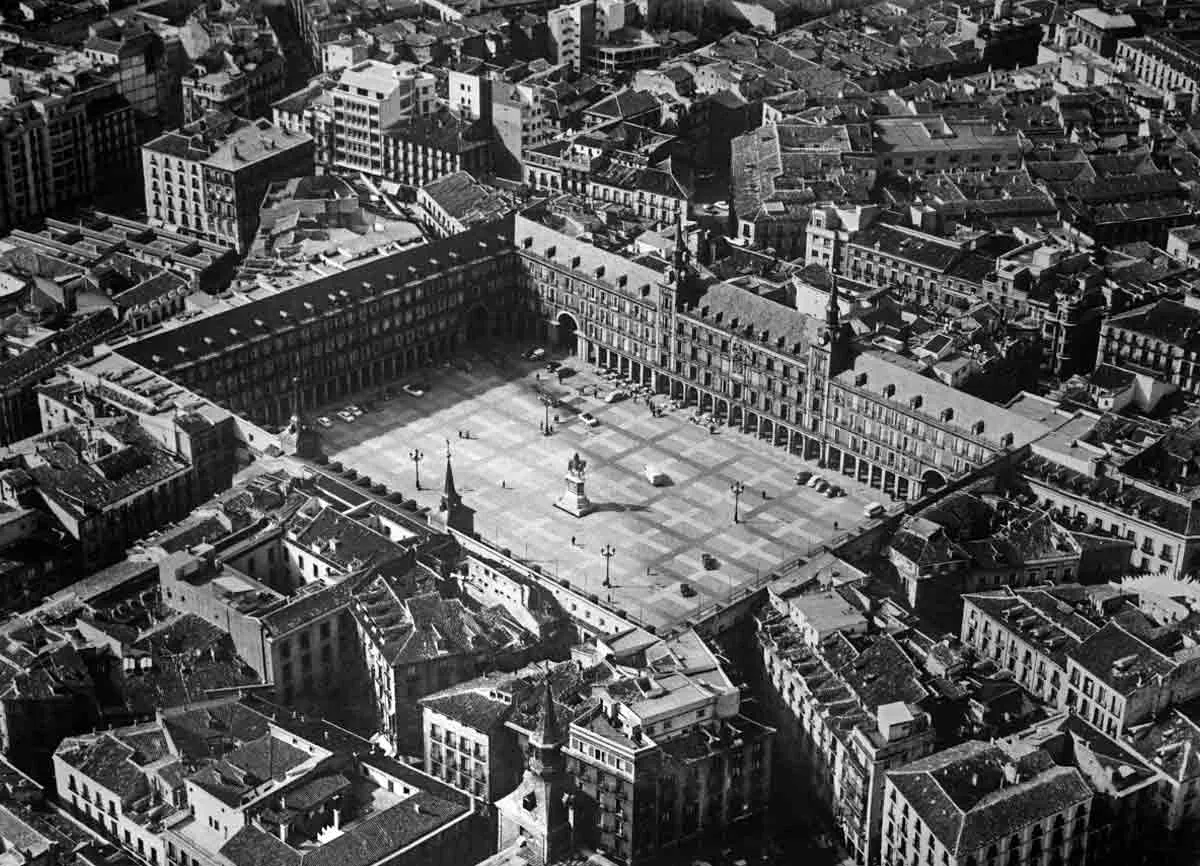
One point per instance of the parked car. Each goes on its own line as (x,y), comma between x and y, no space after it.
(687,590)
(708,561)
(835,492)
(346,416)
(588,419)
(803,476)
(355,411)
(551,366)
(535,354)
(874,509)
(616,396)
(413,391)
(655,476)
(814,481)
(821,486)
(324,422)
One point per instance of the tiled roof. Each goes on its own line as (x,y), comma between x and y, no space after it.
(1119,660)
(108,762)
(370,841)
(937,399)
(285,310)
(472,708)
(962,793)
(785,328)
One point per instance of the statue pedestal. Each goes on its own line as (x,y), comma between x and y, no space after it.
(574,500)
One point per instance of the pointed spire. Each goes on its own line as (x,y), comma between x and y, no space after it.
(833,315)
(547,733)
(450,497)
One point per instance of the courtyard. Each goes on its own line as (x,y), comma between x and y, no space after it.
(510,473)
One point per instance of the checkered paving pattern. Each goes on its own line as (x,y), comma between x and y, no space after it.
(511,475)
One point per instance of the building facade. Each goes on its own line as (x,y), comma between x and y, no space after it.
(208,179)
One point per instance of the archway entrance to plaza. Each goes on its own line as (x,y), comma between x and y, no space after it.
(932,480)
(567,327)
(477,323)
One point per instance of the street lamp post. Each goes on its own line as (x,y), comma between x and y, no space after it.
(737,488)
(416,457)
(608,552)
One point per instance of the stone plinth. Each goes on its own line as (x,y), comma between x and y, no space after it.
(574,499)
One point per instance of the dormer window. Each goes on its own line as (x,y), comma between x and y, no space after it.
(947,414)
(889,391)
(977,428)
(860,380)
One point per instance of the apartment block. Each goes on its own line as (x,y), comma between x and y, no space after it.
(208,178)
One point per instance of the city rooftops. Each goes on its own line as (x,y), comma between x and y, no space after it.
(465,200)
(1166,320)
(225,141)
(208,335)
(375,78)
(929,134)
(342,540)
(929,251)
(1120,660)
(941,403)
(976,793)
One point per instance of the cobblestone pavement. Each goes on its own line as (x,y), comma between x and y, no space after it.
(511,474)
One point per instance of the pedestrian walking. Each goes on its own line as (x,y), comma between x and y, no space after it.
(503,484)
(764,494)
(835,526)
(572,540)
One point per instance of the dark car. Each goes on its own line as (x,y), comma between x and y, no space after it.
(709,561)
(551,366)
(687,590)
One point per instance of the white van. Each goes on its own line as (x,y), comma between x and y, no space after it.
(874,509)
(656,477)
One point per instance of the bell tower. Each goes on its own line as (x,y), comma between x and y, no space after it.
(452,513)
(539,811)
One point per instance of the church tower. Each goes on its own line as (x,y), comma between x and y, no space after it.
(840,337)
(538,812)
(452,513)
(299,437)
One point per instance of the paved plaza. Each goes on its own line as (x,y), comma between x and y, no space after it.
(511,475)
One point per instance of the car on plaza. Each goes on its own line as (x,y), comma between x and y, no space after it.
(324,422)
(873,509)
(413,390)
(551,366)
(834,492)
(687,590)
(655,476)
(588,419)
(616,396)
(535,354)
(355,411)
(803,476)
(814,481)
(821,486)
(708,561)
(346,416)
